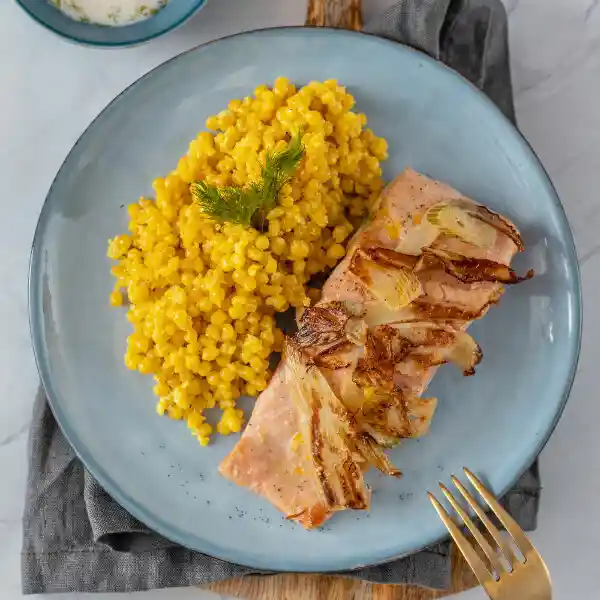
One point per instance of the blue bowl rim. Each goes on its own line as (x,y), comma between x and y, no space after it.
(131,43)
(129,504)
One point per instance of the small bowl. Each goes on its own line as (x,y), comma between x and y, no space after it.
(174,14)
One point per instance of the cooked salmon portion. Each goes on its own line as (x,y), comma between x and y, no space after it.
(267,459)
(425,265)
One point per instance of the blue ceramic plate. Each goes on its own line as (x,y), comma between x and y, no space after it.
(495,422)
(174,14)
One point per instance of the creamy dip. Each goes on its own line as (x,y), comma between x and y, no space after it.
(109,12)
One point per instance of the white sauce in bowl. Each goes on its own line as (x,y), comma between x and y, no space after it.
(109,12)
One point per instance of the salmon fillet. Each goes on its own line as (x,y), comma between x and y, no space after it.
(386,349)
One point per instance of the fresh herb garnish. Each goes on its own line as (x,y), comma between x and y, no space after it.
(245,205)
(232,204)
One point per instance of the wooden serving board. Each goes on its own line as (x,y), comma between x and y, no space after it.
(344,14)
(326,587)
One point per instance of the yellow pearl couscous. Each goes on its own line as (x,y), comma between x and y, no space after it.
(202,294)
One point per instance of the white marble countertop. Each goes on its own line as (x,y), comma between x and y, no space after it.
(50,90)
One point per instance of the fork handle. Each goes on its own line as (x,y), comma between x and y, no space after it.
(342,14)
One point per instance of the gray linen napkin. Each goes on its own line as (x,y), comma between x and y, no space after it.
(77,538)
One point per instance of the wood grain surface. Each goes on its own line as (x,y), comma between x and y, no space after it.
(344,14)
(325,587)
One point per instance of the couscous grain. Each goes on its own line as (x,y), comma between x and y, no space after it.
(202,294)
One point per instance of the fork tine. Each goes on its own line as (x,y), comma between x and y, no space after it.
(489,551)
(492,529)
(477,565)
(516,533)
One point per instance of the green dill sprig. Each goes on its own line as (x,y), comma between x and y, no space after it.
(280,168)
(249,204)
(232,204)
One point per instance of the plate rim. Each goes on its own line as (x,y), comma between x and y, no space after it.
(39,350)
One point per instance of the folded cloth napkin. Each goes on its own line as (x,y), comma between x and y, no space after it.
(77,538)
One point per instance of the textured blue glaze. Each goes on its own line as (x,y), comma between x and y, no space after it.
(171,16)
(495,422)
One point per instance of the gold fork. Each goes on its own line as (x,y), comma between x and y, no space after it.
(505,577)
